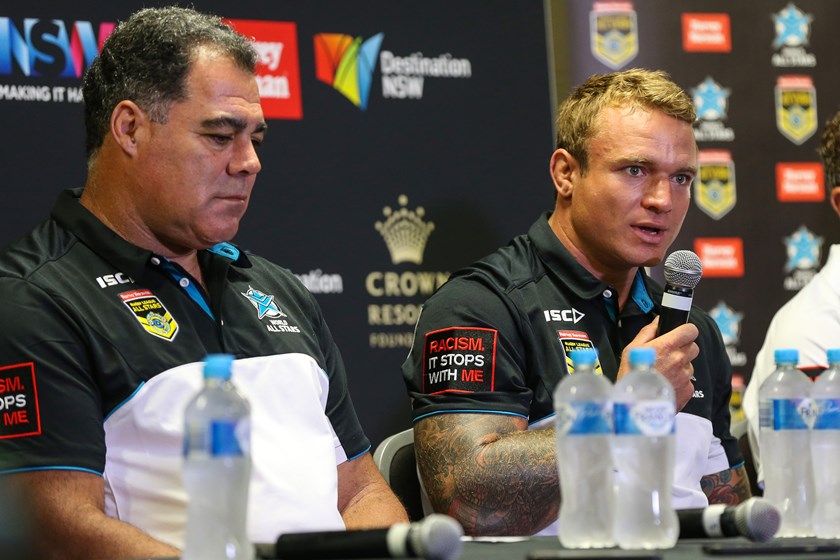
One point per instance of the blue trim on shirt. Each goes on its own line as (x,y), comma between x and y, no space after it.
(639,293)
(541,419)
(191,288)
(354,457)
(128,398)
(471,411)
(225,250)
(30,469)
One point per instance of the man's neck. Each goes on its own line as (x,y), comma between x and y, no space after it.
(621,281)
(111,212)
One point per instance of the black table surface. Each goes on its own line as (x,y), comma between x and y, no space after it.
(548,548)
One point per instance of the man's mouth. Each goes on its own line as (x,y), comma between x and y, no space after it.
(652,230)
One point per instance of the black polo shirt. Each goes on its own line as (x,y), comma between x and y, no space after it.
(101,345)
(496,338)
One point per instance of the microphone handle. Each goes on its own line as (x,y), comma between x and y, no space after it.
(327,545)
(691,524)
(714,521)
(676,304)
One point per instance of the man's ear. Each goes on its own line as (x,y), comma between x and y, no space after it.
(834,196)
(127,120)
(563,167)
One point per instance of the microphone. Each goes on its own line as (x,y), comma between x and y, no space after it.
(682,273)
(436,537)
(756,519)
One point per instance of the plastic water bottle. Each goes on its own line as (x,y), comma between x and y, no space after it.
(785,416)
(582,402)
(217,467)
(825,449)
(643,454)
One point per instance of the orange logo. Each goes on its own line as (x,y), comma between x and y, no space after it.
(721,256)
(706,33)
(800,182)
(278,69)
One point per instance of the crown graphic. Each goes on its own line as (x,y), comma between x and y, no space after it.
(405,233)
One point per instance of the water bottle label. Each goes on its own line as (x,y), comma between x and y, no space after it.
(647,418)
(223,440)
(827,414)
(793,414)
(584,418)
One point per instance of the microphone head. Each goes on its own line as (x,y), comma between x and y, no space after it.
(757,519)
(437,537)
(683,269)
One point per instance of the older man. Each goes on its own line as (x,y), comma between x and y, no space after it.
(112,304)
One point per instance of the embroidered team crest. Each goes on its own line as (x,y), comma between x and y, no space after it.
(796,108)
(714,191)
(264,303)
(577,340)
(151,313)
(613,35)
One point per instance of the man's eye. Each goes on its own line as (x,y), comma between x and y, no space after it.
(220,138)
(634,170)
(683,179)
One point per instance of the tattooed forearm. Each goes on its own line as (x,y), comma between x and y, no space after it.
(488,472)
(727,487)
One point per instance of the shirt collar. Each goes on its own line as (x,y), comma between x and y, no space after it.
(562,264)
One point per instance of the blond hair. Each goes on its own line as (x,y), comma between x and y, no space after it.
(637,87)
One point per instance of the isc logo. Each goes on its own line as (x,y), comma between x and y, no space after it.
(113,280)
(564,315)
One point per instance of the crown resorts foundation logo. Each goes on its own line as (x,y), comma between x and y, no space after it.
(793,28)
(405,233)
(399,294)
(347,63)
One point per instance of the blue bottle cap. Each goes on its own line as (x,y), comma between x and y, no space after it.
(642,356)
(786,356)
(217,366)
(584,356)
(833,355)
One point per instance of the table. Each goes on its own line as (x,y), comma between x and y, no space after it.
(547,548)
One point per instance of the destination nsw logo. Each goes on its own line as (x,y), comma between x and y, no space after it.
(347,63)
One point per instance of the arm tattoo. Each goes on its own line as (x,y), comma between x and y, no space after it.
(488,472)
(727,487)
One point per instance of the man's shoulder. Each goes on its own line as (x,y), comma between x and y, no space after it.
(505,269)
(32,254)
(271,275)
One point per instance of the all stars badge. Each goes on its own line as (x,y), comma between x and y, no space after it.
(796,108)
(151,313)
(614,37)
(714,190)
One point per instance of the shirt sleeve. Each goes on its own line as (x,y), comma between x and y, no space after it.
(468,353)
(51,408)
(352,441)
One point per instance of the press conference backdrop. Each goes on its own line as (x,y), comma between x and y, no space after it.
(408,139)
